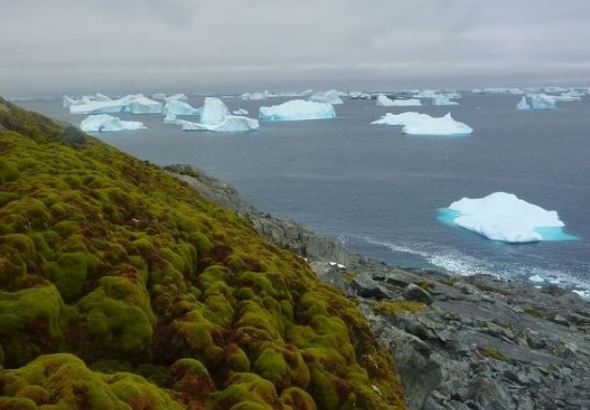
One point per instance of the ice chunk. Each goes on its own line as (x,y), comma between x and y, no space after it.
(423,124)
(179,107)
(296,110)
(108,123)
(443,100)
(523,104)
(498,90)
(426,94)
(214,111)
(178,97)
(542,102)
(134,104)
(231,123)
(101,97)
(504,217)
(359,95)
(384,101)
(328,97)
(256,96)
(240,111)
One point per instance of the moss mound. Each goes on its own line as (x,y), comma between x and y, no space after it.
(110,264)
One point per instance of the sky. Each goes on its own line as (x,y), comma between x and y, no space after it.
(59,46)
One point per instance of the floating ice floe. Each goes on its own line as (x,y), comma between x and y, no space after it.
(296,110)
(240,111)
(504,217)
(423,124)
(179,107)
(133,104)
(384,101)
(216,117)
(108,123)
(523,104)
(542,102)
(328,97)
(443,100)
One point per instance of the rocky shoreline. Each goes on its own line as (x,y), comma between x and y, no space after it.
(461,342)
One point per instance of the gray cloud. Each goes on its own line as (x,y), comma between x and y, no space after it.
(205,45)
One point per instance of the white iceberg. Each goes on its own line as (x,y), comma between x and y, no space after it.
(523,104)
(68,101)
(498,90)
(328,97)
(542,102)
(384,101)
(555,90)
(177,97)
(240,111)
(423,124)
(504,217)
(108,123)
(101,97)
(216,117)
(359,95)
(296,110)
(426,94)
(133,104)
(256,96)
(231,123)
(179,107)
(443,100)
(214,111)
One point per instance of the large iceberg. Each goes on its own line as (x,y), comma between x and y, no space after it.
(523,104)
(384,101)
(443,100)
(133,104)
(216,117)
(108,123)
(296,110)
(328,97)
(179,107)
(504,217)
(423,124)
(255,96)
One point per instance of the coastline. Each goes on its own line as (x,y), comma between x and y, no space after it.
(522,347)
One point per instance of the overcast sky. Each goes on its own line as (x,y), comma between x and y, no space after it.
(62,46)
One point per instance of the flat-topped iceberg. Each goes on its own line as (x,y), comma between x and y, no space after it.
(132,104)
(296,110)
(443,100)
(523,104)
(504,217)
(384,101)
(216,117)
(108,123)
(179,107)
(423,124)
(328,97)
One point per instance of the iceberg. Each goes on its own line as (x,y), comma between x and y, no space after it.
(217,118)
(296,110)
(68,101)
(542,102)
(513,91)
(359,95)
(443,100)
(133,104)
(504,217)
(523,104)
(426,94)
(328,97)
(256,96)
(159,96)
(423,124)
(179,107)
(101,97)
(108,123)
(384,101)
(178,97)
(240,111)
(214,111)
(231,123)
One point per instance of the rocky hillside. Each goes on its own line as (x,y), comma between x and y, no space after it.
(460,342)
(121,287)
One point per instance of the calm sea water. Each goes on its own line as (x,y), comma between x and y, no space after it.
(379,190)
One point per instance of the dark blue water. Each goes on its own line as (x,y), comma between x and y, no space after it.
(379,190)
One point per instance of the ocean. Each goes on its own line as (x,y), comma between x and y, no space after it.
(380,191)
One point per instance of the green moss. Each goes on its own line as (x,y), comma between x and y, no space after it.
(533,313)
(119,263)
(494,354)
(395,307)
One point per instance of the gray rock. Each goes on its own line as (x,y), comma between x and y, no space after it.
(415,292)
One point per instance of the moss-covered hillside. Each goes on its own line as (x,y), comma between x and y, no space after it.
(121,288)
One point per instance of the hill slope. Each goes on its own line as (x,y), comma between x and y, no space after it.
(121,287)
